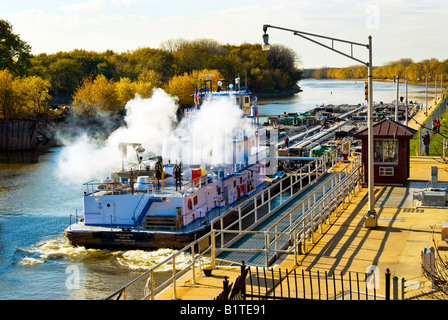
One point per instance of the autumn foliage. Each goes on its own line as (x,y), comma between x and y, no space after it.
(24,97)
(416,72)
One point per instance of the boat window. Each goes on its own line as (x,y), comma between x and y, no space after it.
(195,200)
(234,183)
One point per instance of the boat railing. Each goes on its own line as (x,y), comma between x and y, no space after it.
(96,186)
(206,248)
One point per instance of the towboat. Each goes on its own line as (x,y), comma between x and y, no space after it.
(161,201)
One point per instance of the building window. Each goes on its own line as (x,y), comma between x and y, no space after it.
(385,150)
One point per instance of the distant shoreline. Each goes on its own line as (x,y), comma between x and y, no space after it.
(278,94)
(402,81)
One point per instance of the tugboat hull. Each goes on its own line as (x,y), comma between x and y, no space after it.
(133,240)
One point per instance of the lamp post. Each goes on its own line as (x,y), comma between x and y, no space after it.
(370,217)
(426,94)
(406,101)
(396,101)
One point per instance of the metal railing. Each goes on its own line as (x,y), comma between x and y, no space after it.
(207,245)
(274,197)
(289,233)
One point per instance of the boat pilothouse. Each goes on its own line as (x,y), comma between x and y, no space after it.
(242,96)
(167,200)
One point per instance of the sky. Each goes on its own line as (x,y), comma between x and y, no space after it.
(399,28)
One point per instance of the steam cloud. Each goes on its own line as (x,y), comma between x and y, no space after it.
(196,140)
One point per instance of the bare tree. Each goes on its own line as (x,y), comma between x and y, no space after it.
(437,271)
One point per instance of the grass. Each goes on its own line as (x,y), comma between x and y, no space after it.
(436,144)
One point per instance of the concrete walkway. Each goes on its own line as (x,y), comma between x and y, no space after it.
(346,245)
(421,116)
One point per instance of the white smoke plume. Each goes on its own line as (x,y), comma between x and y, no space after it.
(147,121)
(202,139)
(206,137)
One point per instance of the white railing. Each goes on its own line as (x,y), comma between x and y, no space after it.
(289,233)
(205,249)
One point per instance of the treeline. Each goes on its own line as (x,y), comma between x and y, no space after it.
(264,71)
(416,72)
(105,81)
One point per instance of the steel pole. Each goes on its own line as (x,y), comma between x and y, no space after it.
(435,86)
(396,102)
(426,94)
(406,106)
(371,213)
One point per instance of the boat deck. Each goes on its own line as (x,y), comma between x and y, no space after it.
(195,225)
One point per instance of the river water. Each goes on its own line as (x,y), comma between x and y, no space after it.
(36,261)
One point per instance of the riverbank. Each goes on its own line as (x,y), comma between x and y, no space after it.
(285,93)
(385,80)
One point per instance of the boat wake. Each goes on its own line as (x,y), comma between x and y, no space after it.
(59,248)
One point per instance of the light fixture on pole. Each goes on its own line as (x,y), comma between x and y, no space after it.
(266,46)
(370,217)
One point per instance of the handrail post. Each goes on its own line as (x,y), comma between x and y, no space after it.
(294,243)
(193,265)
(395,287)
(266,238)
(240,224)
(153,285)
(174,279)
(290,185)
(213,242)
(269,200)
(255,210)
(281,191)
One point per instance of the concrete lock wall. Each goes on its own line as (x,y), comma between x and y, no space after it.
(17,135)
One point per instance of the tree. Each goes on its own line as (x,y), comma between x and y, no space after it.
(33,95)
(7,94)
(182,87)
(95,97)
(107,96)
(437,273)
(14,52)
(125,90)
(24,98)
